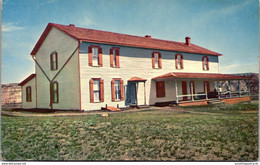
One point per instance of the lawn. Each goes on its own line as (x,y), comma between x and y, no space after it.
(228,133)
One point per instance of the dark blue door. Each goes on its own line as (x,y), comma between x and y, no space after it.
(131,94)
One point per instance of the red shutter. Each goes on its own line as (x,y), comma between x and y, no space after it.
(160,60)
(122,89)
(100,60)
(208,86)
(56,60)
(111,58)
(182,62)
(90,56)
(176,61)
(117,58)
(91,91)
(102,90)
(113,90)
(203,63)
(160,89)
(153,60)
(207,63)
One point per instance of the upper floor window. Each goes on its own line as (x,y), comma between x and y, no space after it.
(54,60)
(54,92)
(205,63)
(114,57)
(95,56)
(117,86)
(96,86)
(178,61)
(28,94)
(156,60)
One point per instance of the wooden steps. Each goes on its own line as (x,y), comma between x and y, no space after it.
(215,102)
(110,108)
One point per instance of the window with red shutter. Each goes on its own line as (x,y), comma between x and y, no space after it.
(114,57)
(95,56)
(96,89)
(156,60)
(179,61)
(205,63)
(117,89)
(160,89)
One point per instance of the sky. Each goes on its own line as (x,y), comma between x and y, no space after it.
(229,27)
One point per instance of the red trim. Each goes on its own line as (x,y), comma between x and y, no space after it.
(153,60)
(90,63)
(101,86)
(80,106)
(27,79)
(100,59)
(207,63)
(91,91)
(99,36)
(160,60)
(201,76)
(137,79)
(122,90)
(111,58)
(113,90)
(117,58)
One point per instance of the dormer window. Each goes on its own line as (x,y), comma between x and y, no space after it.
(205,63)
(54,61)
(156,60)
(178,61)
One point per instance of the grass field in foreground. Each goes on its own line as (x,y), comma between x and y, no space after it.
(229,134)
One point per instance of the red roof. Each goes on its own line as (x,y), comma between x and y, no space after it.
(136,79)
(98,36)
(201,76)
(27,79)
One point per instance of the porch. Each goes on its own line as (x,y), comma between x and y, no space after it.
(202,89)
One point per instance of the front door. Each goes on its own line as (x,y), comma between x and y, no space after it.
(184,90)
(131,93)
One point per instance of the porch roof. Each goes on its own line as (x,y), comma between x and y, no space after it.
(215,76)
(137,79)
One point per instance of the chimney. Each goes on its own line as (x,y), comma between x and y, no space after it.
(72,25)
(188,41)
(148,36)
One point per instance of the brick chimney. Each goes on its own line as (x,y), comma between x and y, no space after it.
(71,25)
(148,36)
(187,39)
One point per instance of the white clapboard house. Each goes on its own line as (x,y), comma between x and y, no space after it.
(85,69)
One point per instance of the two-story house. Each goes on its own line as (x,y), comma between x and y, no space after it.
(84,69)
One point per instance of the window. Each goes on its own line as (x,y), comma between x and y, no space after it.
(205,63)
(54,92)
(114,57)
(54,61)
(95,56)
(156,60)
(160,89)
(28,94)
(178,61)
(117,89)
(96,90)
(96,86)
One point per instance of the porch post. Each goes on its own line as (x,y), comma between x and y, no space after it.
(206,89)
(239,88)
(144,94)
(229,87)
(248,88)
(136,91)
(191,87)
(218,89)
(176,91)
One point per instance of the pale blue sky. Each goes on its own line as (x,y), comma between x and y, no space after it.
(229,27)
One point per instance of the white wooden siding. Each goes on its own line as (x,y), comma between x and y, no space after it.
(32,104)
(68,79)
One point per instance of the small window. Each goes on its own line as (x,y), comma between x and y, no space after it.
(114,57)
(54,92)
(54,61)
(117,90)
(178,61)
(95,56)
(205,63)
(28,94)
(156,60)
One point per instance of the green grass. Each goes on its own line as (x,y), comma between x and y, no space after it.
(232,135)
